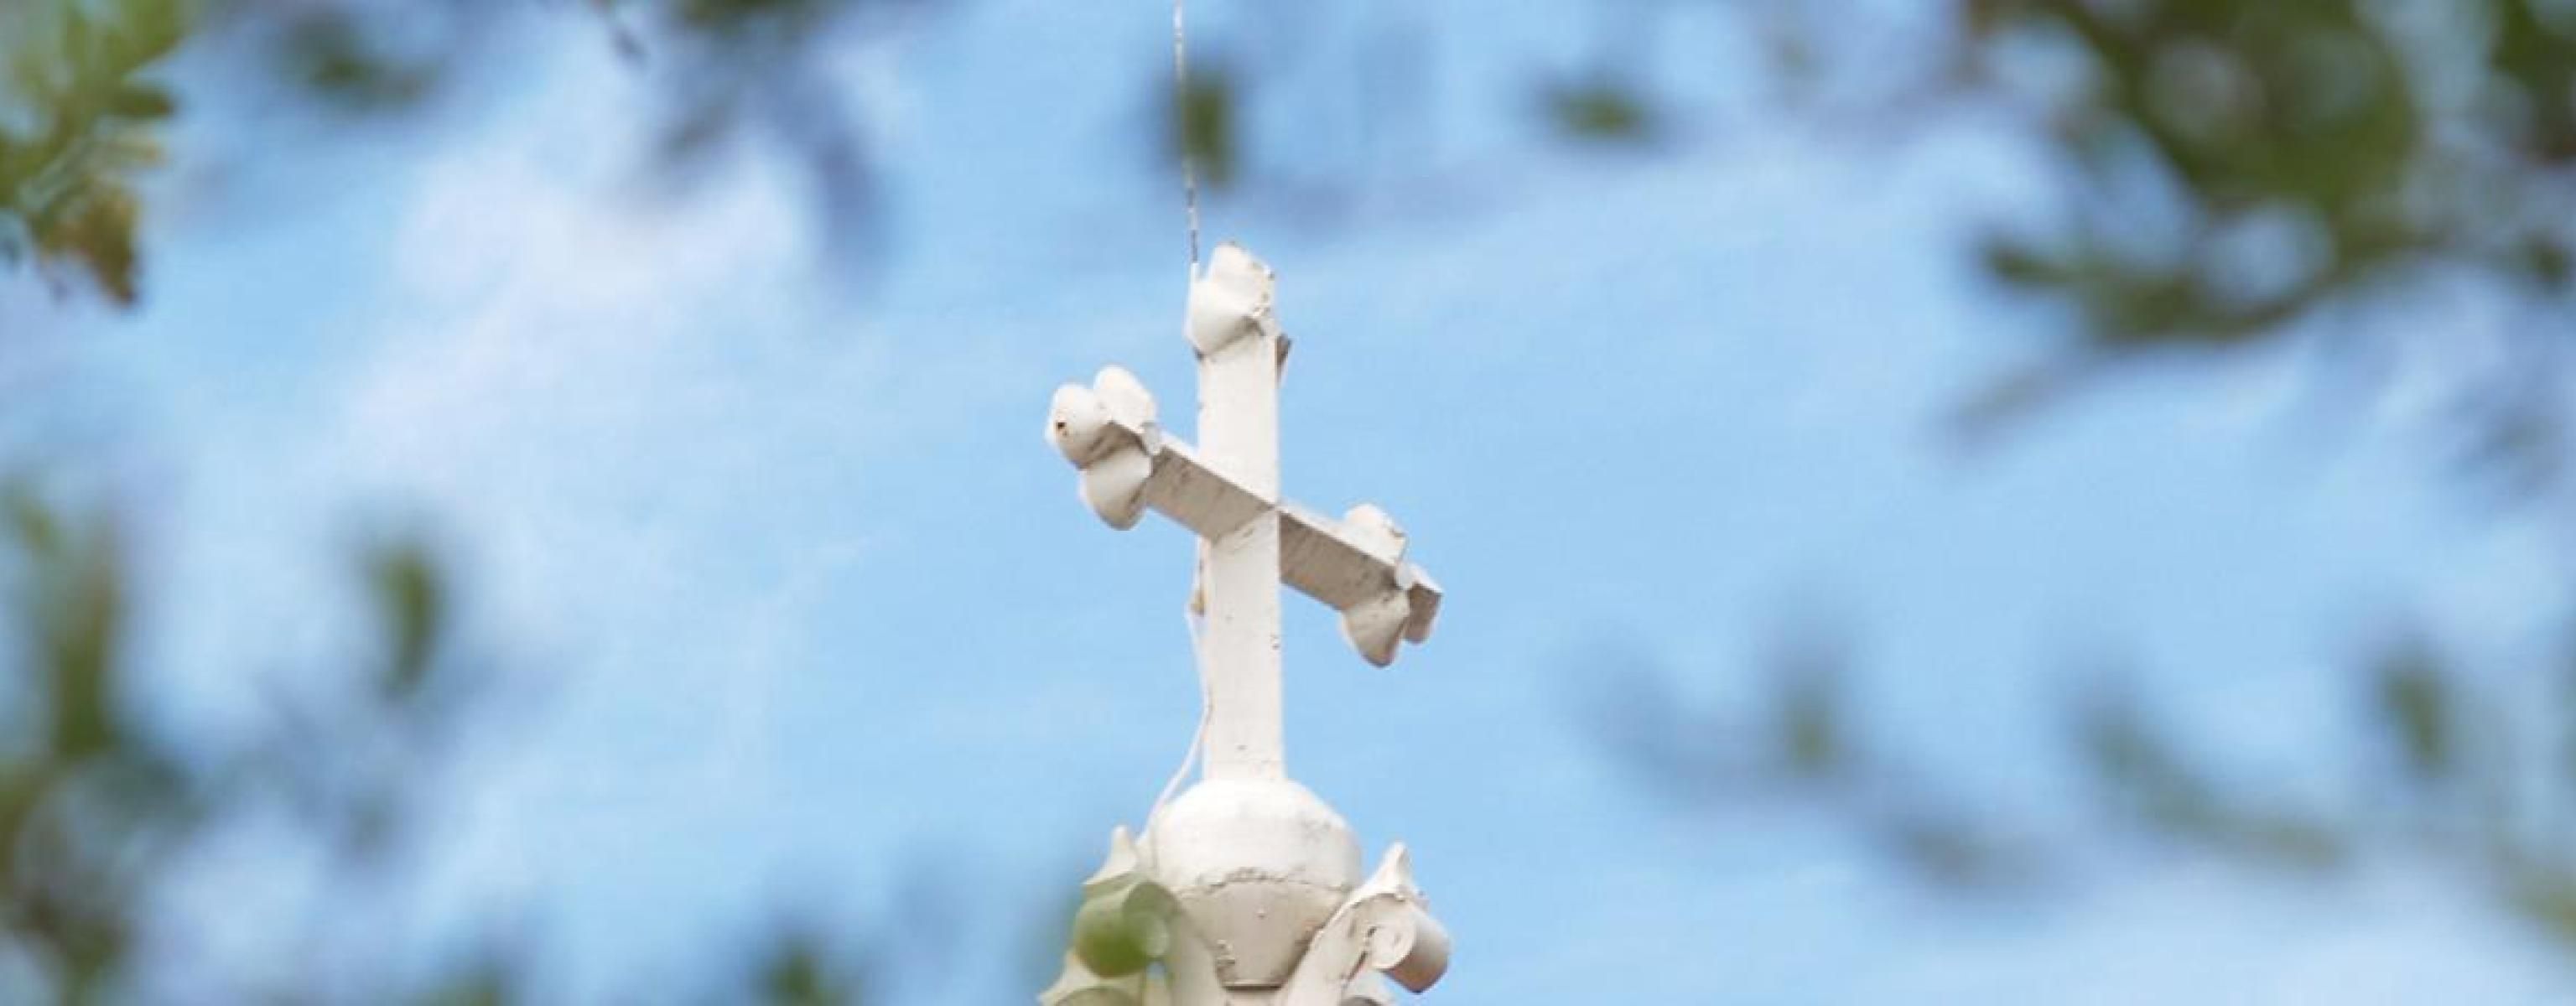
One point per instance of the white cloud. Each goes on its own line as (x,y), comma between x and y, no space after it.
(646,432)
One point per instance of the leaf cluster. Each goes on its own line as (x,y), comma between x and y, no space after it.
(78,119)
(104,809)
(2470,778)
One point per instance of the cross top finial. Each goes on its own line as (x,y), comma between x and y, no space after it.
(1233,300)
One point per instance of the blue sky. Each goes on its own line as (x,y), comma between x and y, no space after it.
(796,602)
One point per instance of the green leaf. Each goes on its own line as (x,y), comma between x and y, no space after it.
(411,600)
(147,30)
(142,101)
(100,234)
(1599,112)
(1203,125)
(2415,704)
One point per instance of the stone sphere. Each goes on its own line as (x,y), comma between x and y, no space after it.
(1258,865)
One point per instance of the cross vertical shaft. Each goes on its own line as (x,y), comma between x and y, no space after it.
(1239,431)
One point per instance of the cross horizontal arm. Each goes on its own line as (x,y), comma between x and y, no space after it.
(1183,487)
(1354,565)
(1357,566)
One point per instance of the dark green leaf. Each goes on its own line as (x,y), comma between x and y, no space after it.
(142,101)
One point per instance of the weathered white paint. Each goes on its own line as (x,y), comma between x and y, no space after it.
(1239,355)
(1264,875)
(1128,465)
(1257,864)
(1386,928)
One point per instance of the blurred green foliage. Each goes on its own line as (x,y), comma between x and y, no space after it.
(101,805)
(2231,171)
(78,115)
(800,971)
(2233,166)
(2235,173)
(2230,174)
(1204,130)
(2148,783)
(331,54)
(2226,173)
(2302,117)
(2415,701)
(1598,111)
(91,807)
(738,72)
(736,18)
(82,105)
(2441,774)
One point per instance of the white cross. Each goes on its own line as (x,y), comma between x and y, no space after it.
(1227,492)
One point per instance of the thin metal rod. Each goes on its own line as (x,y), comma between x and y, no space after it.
(1181,126)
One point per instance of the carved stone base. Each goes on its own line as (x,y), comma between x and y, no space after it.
(1135,946)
